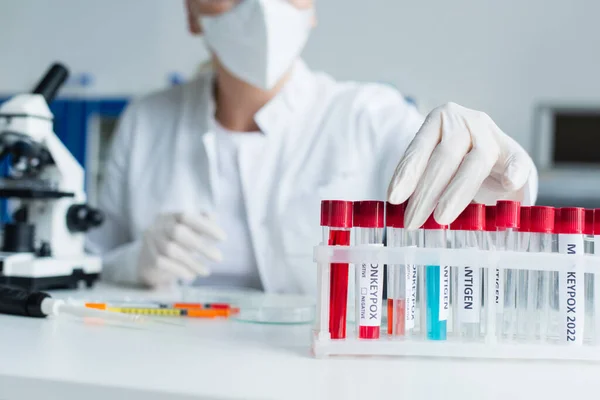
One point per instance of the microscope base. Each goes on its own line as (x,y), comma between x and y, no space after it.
(27,271)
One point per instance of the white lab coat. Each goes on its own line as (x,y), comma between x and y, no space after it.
(324,140)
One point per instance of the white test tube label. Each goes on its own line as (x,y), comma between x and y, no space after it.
(444,292)
(571,293)
(411,295)
(469,294)
(370,282)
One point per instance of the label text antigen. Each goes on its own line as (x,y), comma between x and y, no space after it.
(446,288)
(468,290)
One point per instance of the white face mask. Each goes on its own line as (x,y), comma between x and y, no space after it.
(258,40)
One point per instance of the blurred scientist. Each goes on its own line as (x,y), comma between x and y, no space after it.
(219,181)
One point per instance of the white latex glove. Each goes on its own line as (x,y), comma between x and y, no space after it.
(459,155)
(173,248)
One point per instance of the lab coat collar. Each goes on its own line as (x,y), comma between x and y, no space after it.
(277,114)
(273,117)
(208,98)
(197,114)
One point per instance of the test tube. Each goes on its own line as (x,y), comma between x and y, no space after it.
(588,231)
(402,279)
(336,220)
(413,239)
(524,231)
(489,274)
(571,290)
(507,224)
(534,321)
(588,278)
(596,300)
(437,283)
(368,220)
(396,274)
(468,234)
(554,279)
(490,228)
(525,295)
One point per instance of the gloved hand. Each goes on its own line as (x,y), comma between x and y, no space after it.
(173,246)
(459,155)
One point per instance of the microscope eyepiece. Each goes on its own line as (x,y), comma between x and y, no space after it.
(52,81)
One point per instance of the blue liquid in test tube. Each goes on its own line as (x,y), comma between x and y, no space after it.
(437,283)
(436,329)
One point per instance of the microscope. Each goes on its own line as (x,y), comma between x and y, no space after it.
(43,243)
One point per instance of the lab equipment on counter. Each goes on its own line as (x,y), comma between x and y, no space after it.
(595,314)
(368,220)
(153,304)
(276,309)
(401,278)
(436,304)
(336,220)
(507,238)
(255,306)
(43,245)
(542,239)
(467,298)
(534,323)
(216,294)
(571,288)
(17,301)
(523,278)
(588,280)
(190,312)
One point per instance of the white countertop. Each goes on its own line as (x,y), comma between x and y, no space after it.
(68,359)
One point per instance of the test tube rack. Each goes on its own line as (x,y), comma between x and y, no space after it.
(489,345)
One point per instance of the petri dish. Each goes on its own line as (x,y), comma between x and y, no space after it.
(219,294)
(276,309)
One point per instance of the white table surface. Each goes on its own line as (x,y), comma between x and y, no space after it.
(67,359)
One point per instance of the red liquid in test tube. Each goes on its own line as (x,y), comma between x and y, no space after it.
(396,317)
(336,220)
(401,279)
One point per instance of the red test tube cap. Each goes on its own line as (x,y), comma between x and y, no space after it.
(471,219)
(588,228)
(368,214)
(508,214)
(542,219)
(394,215)
(457,224)
(431,223)
(557,221)
(490,218)
(336,213)
(597,221)
(572,220)
(525,220)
